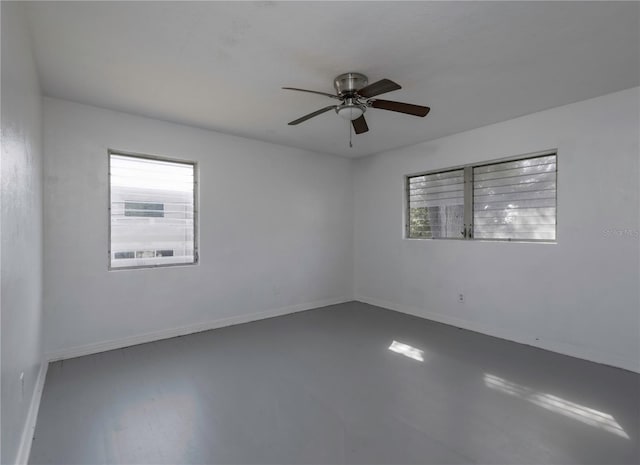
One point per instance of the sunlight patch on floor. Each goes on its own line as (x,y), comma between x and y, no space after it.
(556,404)
(407,351)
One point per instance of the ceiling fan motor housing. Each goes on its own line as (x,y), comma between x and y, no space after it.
(348,83)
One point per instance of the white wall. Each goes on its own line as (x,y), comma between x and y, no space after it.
(21,219)
(275,232)
(579,296)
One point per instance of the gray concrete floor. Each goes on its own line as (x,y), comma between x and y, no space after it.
(331,386)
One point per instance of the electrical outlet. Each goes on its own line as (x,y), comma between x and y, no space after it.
(461,298)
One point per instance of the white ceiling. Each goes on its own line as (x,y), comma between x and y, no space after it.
(220,65)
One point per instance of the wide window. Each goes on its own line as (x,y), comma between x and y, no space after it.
(511,200)
(152,211)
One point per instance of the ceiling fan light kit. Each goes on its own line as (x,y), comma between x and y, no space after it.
(356,95)
(350,110)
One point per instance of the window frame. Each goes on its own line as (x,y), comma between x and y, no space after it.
(469,200)
(196,223)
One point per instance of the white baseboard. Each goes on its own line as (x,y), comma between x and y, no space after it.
(30,424)
(584,353)
(104,346)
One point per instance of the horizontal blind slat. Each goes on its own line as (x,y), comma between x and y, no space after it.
(515,188)
(545,160)
(516,196)
(437,203)
(517,204)
(437,176)
(526,171)
(515,180)
(515,228)
(518,212)
(533,236)
(435,190)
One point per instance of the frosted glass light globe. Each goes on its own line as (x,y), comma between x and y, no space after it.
(350,112)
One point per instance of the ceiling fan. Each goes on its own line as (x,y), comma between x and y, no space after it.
(356,95)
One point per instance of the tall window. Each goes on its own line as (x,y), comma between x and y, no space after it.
(152,212)
(436,205)
(511,200)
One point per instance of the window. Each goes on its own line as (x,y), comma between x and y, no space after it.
(152,212)
(436,205)
(511,200)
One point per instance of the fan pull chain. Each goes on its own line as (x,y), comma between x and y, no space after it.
(350,132)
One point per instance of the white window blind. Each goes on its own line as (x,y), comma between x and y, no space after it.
(436,205)
(515,200)
(152,212)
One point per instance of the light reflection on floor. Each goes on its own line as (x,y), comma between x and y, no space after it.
(556,404)
(407,350)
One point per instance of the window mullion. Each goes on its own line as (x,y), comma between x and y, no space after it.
(468,202)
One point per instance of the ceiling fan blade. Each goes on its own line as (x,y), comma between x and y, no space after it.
(380,87)
(408,108)
(360,125)
(312,92)
(311,115)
